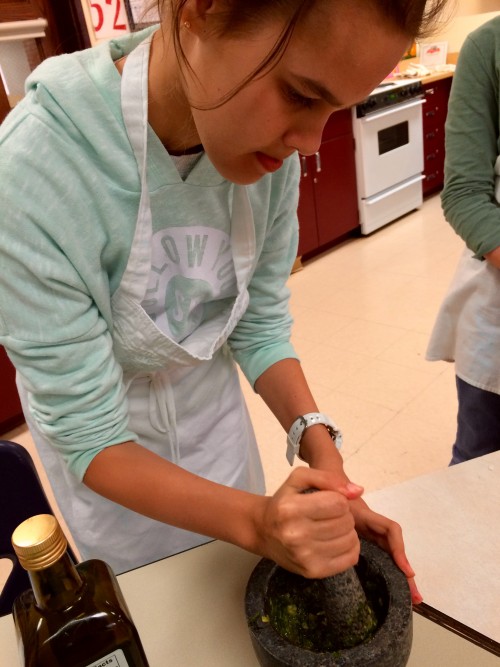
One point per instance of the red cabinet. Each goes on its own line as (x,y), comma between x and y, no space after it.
(434,119)
(4,102)
(328,207)
(11,414)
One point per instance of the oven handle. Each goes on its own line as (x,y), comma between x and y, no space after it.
(374,200)
(394,109)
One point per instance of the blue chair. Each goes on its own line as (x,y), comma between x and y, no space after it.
(21,496)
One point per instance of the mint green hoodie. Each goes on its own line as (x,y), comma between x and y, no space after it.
(69,195)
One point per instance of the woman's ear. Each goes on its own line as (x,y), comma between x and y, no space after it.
(197,13)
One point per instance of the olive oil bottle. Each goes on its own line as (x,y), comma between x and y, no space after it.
(74,615)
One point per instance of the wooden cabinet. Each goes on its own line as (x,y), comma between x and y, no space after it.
(66,29)
(434,118)
(19,10)
(4,102)
(11,414)
(328,207)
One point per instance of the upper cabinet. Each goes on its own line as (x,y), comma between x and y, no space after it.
(19,10)
(57,26)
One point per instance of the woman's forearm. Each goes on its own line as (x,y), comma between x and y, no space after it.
(140,480)
(311,534)
(284,389)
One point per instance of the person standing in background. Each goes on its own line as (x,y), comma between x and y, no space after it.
(149,195)
(467,329)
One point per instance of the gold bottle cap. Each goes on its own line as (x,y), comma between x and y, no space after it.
(39,542)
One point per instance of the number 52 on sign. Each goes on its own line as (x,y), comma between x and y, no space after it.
(109,18)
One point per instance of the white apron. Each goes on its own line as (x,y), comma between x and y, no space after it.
(184,401)
(467,329)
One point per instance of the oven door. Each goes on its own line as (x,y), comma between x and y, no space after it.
(389,147)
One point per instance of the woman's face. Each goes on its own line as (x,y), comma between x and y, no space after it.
(334,59)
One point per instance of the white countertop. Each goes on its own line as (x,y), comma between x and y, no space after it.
(189,608)
(451,526)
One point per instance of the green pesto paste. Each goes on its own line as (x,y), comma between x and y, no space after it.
(295,610)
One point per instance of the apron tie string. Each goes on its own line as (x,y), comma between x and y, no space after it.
(162,410)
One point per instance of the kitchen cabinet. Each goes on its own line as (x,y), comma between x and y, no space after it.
(65,31)
(19,10)
(328,208)
(11,414)
(434,118)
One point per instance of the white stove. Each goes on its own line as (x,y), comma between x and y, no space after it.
(388,133)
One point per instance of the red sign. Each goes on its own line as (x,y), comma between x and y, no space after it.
(109,18)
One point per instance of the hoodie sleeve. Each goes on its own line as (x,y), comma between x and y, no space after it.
(54,292)
(473,142)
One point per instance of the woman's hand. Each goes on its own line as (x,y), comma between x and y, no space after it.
(388,535)
(310,534)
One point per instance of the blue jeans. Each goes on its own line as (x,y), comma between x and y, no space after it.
(478,423)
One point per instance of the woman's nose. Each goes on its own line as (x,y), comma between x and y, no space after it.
(306,137)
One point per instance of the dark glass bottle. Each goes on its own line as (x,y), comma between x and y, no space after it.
(74,616)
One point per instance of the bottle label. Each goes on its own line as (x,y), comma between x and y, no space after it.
(114,659)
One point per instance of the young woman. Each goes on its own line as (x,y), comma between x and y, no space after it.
(149,190)
(467,328)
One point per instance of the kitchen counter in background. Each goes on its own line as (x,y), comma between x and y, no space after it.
(189,608)
(436,75)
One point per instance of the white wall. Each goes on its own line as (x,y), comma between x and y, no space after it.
(466,16)
(14,66)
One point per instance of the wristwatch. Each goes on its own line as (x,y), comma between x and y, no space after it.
(304,422)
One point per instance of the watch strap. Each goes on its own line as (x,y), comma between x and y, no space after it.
(301,424)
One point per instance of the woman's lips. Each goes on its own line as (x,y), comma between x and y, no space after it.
(269,163)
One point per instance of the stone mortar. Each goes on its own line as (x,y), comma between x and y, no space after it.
(389,646)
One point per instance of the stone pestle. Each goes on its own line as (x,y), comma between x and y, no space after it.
(350,615)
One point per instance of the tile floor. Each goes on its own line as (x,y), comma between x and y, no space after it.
(363,313)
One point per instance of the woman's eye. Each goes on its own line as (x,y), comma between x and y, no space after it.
(297,98)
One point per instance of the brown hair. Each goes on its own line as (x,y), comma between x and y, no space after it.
(415,18)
